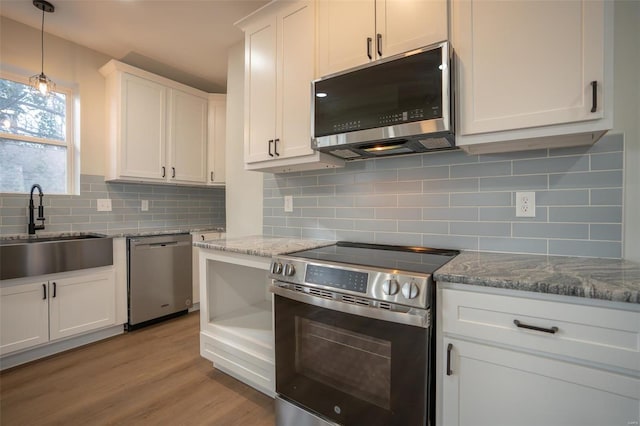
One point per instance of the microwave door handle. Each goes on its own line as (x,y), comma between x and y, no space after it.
(369,40)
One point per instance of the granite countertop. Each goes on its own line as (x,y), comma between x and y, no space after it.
(264,246)
(606,279)
(114,234)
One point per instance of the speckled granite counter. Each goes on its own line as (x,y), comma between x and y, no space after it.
(605,279)
(261,245)
(115,234)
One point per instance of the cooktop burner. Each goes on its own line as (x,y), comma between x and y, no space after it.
(405,258)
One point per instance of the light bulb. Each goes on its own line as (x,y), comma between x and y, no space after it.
(43,87)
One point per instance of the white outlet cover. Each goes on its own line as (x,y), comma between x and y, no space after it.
(525,204)
(144,206)
(104,204)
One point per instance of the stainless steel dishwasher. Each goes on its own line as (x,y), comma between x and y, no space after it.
(159,278)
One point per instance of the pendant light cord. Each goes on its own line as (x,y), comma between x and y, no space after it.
(42,44)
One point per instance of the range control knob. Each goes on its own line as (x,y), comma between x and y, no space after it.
(289,270)
(276,268)
(390,287)
(410,290)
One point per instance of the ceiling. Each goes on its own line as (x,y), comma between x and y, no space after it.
(185,40)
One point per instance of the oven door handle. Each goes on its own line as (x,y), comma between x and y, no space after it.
(414,316)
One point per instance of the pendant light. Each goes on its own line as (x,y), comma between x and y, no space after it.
(40,82)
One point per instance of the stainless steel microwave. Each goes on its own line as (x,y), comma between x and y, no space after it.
(399,105)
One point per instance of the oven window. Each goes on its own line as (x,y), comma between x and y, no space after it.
(352,362)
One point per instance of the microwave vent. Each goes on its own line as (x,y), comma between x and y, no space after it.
(435,143)
(345,153)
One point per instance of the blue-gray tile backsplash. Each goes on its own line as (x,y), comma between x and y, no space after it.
(454,200)
(170,207)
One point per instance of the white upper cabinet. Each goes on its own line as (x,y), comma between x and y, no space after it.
(217,139)
(279,68)
(355,32)
(142,127)
(188,137)
(532,69)
(157,128)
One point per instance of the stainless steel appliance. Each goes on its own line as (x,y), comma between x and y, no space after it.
(353,335)
(399,105)
(159,277)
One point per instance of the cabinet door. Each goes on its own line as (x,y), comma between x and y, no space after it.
(524,64)
(217,140)
(24,316)
(188,137)
(296,55)
(81,303)
(493,387)
(404,25)
(343,29)
(260,90)
(143,127)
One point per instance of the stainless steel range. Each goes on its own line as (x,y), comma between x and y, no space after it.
(353,334)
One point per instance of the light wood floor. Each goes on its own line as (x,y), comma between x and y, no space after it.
(152,376)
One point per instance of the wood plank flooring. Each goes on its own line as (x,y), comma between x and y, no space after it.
(152,376)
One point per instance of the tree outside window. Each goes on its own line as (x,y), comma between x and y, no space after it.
(34,140)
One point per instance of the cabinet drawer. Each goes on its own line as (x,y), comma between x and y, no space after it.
(601,335)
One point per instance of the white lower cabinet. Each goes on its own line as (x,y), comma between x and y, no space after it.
(24,316)
(515,361)
(493,387)
(34,312)
(195,259)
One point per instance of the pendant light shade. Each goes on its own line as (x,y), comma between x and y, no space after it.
(40,82)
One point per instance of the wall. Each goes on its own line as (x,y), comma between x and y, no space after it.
(170,208)
(454,200)
(67,64)
(244,188)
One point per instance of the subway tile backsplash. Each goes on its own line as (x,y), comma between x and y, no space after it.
(170,207)
(454,200)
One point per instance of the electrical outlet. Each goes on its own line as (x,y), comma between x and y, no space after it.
(525,204)
(288,203)
(144,206)
(104,204)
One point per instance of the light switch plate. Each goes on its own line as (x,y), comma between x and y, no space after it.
(104,204)
(288,203)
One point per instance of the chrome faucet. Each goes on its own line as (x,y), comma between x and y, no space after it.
(32,225)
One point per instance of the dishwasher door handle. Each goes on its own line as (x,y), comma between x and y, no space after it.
(166,243)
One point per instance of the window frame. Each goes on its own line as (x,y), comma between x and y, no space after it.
(72,139)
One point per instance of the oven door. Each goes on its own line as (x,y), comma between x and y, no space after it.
(351,369)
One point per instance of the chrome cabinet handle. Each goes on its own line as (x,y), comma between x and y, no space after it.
(552,330)
(369,40)
(594,96)
(449,348)
(379,43)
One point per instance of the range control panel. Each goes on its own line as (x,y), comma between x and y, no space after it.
(378,284)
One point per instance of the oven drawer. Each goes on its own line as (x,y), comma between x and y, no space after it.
(595,334)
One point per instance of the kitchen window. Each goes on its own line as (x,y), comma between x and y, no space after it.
(36,139)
